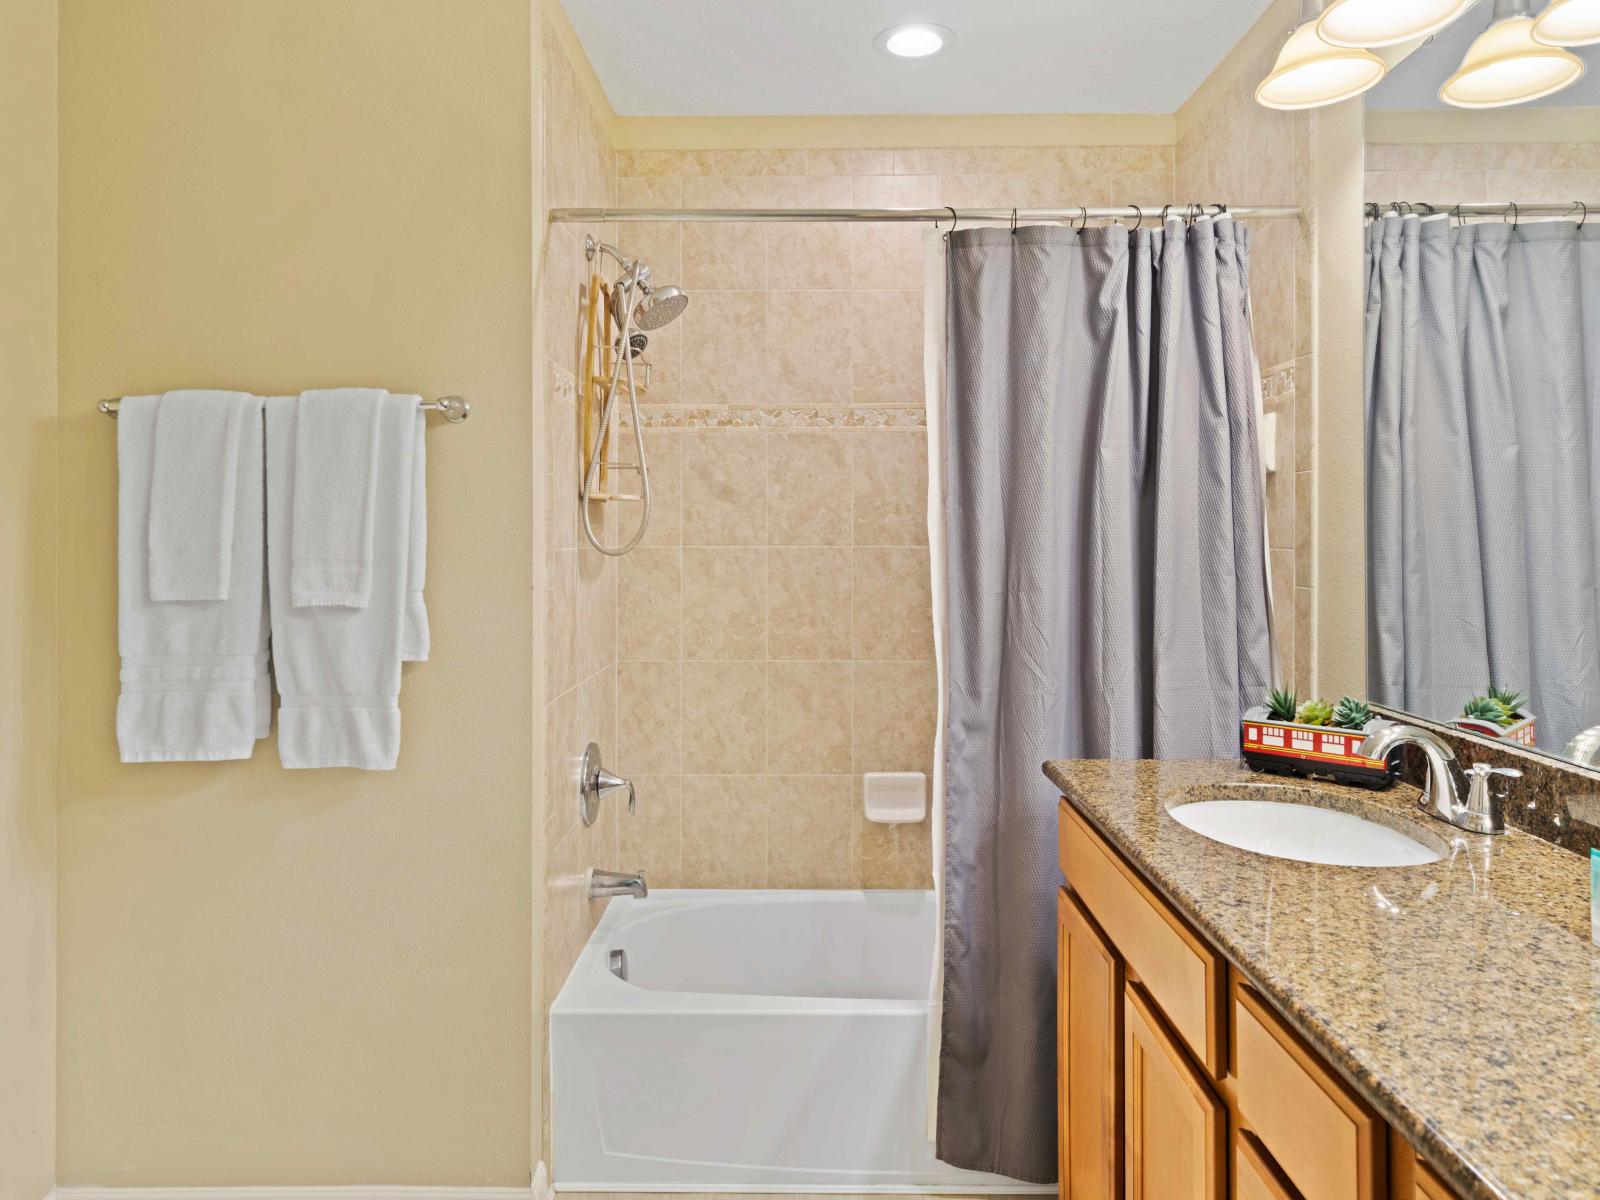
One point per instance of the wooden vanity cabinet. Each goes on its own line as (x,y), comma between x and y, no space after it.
(1088,1056)
(1174,1124)
(1177,1079)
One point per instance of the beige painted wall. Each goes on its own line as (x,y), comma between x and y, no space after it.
(27,598)
(318,977)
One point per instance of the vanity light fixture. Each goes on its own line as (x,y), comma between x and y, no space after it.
(1367,24)
(1505,65)
(1310,72)
(1568,23)
(913,41)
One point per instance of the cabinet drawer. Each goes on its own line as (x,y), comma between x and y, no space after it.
(1182,974)
(1327,1140)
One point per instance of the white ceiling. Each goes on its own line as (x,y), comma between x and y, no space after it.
(816,58)
(1415,82)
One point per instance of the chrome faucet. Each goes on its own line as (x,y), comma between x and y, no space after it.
(1462,798)
(601,884)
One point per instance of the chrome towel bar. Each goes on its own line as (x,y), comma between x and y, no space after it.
(456,409)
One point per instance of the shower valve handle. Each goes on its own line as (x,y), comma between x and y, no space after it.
(595,783)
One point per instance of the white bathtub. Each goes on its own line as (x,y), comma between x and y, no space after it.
(765,1041)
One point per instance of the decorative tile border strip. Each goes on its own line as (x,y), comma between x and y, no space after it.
(665,416)
(1277,381)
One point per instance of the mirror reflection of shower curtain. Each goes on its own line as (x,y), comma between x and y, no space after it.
(1107,597)
(1482,432)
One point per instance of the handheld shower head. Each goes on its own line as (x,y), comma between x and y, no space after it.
(660,306)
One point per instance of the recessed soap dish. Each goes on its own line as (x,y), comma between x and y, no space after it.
(895,797)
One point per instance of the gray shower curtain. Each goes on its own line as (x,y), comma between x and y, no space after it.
(1107,598)
(1482,432)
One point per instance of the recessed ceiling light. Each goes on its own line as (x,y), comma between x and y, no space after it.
(913,41)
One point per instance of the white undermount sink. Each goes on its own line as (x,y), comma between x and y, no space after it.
(1303,832)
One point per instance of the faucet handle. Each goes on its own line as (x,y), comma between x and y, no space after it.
(1486,807)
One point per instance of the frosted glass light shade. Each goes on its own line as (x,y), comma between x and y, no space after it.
(1506,66)
(1371,23)
(1568,23)
(1310,73)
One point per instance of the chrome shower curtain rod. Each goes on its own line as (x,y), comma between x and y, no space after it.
(1580,209)
(1079,213)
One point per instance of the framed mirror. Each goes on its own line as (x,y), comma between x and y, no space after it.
(1482,419)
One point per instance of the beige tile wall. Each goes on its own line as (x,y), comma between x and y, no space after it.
(774,635)
(580,601)
(1548,172)
(1242,153)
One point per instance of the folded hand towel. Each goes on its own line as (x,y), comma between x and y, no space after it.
(336,472)
(194,672)
(338,667)
(192,489)
(414,639)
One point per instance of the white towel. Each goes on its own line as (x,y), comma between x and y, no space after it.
(335,479)
(195,480)
(338,667)
(194,672)
(414,638)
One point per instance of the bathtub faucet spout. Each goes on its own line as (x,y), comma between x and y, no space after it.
(616,883)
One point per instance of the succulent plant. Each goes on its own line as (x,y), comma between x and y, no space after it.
(1481,708)
(1351,713)
(1510,700)
(1282,704)
(1314,712)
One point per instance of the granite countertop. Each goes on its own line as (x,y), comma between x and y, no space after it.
(1461,998)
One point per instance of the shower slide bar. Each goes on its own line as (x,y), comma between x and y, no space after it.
(1076,213)
(456,409)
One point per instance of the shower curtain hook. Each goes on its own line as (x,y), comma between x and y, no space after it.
(1580,205)
(1083,214)
(1138,215)
(1013,222)
(1456,213)
(1516,215)
(1165,209)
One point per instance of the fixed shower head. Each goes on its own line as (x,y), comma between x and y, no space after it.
(659,306)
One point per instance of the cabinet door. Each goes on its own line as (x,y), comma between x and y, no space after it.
(1173,1124)
(1088,1056)
(1429,1186)
(1255,1175)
